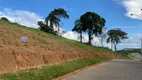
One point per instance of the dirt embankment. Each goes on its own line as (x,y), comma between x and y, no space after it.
(13,58)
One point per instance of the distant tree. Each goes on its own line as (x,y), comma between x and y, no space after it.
(115,36)
(54,18)
(4,19)
(44,27)
(102,37)
(41,24)
(78,28)
(63,32)
(92,23)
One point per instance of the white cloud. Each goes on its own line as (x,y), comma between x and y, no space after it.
(22,17)
(75,36)
(133,7)
(70,35)
(133,42)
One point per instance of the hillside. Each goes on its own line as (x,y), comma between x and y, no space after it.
(129,51)
(41,49)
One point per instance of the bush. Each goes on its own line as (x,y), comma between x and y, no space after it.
(4,19)
(45,28)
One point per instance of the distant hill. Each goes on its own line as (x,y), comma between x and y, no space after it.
(127,51)
(41,49)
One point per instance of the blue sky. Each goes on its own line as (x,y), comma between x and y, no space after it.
(109,9)
(114,11)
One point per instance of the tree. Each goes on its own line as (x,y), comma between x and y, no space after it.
(78,28)
(54,18)
(92,23)
(115,36)
(44,27)
(102,37)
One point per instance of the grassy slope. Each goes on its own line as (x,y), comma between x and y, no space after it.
(53,71)
(42,48)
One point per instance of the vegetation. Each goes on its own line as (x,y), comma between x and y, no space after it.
(53,71)
(129,51)
(78,28)
(91,23)
(4,19)
(103,36)
(54,17)
(45,27)
(115,36)
(132,53)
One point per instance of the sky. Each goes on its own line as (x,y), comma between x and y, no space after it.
(116,12)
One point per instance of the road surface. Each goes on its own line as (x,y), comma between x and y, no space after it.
(113,70)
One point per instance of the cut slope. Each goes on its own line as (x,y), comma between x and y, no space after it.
(41,49)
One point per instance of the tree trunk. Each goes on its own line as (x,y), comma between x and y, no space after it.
(111,45)
(58,30)
(90,37)
(115,46)
(102,42)
(47,23)
(50,24)
(81,37)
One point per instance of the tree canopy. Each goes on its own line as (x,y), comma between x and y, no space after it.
(44,27)
(4,19)
(92,23)
(54,18)
(78,28)
(115,36)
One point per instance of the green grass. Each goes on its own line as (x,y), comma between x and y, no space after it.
(53,71)
(83,46)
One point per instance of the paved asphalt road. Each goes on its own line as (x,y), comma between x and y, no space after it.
(113,70)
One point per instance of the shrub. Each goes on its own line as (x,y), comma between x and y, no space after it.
(4,19)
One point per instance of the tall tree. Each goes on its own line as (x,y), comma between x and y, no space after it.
(54,18)
(78,28)
(115,36)
(92,23)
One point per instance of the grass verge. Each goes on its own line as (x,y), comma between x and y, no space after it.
(53,71)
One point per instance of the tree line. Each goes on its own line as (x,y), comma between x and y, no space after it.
(90,22)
